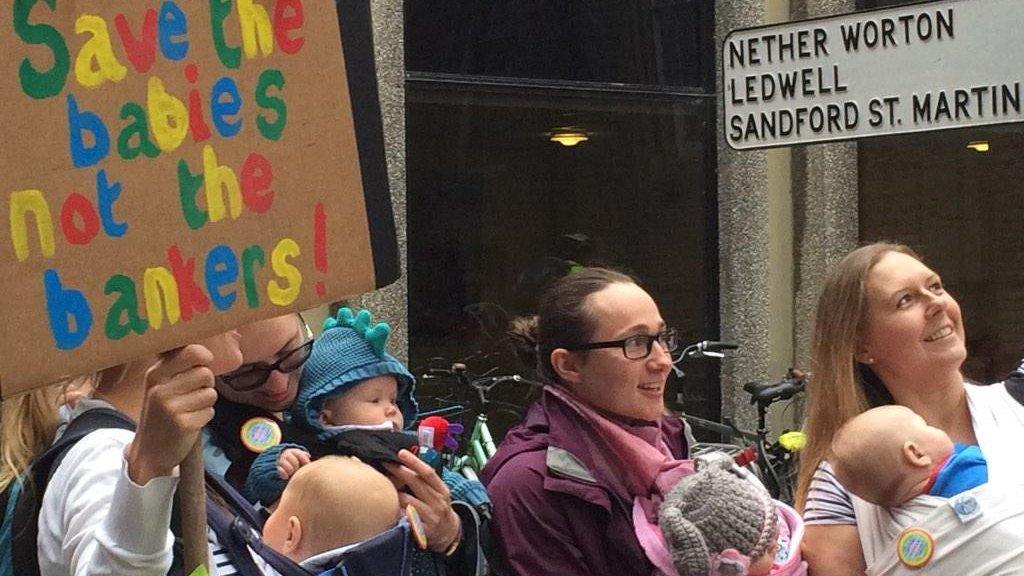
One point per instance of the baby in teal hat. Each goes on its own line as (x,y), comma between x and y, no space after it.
(350,382)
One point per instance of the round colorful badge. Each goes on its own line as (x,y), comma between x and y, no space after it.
(915,547)
(259,434)
(416,526)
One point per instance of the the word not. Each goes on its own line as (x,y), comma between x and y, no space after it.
(80,218)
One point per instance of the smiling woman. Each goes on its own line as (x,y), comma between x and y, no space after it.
(575,474)
(887,332)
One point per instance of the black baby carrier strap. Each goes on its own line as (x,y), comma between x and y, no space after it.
(1015,384)
(237,525)
(224,429)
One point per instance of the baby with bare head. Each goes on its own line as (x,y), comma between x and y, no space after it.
(329,504)
(889,455)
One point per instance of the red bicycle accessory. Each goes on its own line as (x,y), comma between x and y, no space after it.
(745,456)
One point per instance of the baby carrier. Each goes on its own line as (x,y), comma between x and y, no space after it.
(234,520)
(788,561)
(975,532)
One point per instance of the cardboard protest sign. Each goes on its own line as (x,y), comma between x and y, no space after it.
(173,169)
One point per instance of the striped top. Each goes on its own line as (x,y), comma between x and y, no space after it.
(222,564)
(828,502)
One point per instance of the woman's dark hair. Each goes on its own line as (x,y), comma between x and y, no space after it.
(562,319)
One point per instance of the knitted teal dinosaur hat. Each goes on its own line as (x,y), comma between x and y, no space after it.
(350,350)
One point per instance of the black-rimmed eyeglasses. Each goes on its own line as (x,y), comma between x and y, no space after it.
(252,376)
(636,347)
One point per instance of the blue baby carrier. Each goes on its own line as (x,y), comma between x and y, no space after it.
(229,515)
(234,519)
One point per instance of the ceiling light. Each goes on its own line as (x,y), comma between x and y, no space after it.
(568,136)
(978,145)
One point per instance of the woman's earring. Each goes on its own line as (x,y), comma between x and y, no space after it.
(869,361)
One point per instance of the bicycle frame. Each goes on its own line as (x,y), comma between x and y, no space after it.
(481,446)
(481,449)
(772,462)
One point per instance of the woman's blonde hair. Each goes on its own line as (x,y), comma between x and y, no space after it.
(839,386)
(29,421)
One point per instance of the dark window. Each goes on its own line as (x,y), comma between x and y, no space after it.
(663,43)
(497,206)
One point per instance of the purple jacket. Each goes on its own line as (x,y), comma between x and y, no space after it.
(554,510)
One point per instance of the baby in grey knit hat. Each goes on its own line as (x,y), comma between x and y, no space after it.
(717,523)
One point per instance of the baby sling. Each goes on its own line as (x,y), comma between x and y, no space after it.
(976,532)
(230,516)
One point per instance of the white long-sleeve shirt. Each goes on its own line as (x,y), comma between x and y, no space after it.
(95,521)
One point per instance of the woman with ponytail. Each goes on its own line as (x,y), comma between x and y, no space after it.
(576,483)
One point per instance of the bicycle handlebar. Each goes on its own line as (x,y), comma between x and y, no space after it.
(702,349)
(713,348)
(486,384)
(716,346)
(460,373)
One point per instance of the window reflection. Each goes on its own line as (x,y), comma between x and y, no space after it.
(495,208)
(545,133)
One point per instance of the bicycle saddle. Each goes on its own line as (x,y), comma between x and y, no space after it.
(769,392)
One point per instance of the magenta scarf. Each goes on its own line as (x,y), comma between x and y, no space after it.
(642,466)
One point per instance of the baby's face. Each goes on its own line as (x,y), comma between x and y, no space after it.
(763,566)
(368,403)
(932,441)
(928,442)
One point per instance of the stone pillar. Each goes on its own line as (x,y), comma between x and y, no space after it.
(825,198)
(785,217)
(743,221)
(391,303)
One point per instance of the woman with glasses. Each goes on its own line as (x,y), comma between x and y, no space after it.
(591,456)
(253,397)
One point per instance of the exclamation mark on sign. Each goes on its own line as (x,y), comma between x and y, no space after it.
(320,246)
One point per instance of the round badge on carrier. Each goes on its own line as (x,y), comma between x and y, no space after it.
(260,434)
(419,533)
(914,547)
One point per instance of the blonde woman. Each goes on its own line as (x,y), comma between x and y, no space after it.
(28,425)
(887,332)
(107,506)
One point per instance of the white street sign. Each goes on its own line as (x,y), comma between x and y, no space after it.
(916,68)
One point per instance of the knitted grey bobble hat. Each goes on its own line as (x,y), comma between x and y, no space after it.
(714,510)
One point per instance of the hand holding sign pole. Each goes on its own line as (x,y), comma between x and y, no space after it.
(176,170)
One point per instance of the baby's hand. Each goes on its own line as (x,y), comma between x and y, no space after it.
(289,462)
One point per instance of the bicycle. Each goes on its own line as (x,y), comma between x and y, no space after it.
(481,445)
(773,462)
(780,457)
